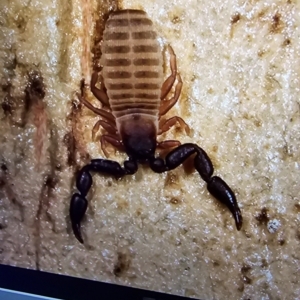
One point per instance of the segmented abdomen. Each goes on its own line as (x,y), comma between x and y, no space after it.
(132,64)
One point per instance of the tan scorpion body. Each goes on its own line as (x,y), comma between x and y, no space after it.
(132,87)
(132,75)
(132,66)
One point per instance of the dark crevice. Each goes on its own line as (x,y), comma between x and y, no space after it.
(34,93)
(46,194)
(105,9)
(7,185)
(70,142)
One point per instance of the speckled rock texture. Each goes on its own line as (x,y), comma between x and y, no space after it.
(240,64)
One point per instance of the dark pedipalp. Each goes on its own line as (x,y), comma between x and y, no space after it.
(78,208)
(221,191)
(202,163)
(78,205)
(84,181)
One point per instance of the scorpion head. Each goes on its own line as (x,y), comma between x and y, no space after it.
(139,138)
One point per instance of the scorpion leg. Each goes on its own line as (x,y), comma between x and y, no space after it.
(111,139)
(84,182)
(109,127)
(165,125)
(101,112)
(167,85)
(100,94)
(166,105)
(215,185)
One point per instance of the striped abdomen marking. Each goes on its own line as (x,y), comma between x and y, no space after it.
(132,65)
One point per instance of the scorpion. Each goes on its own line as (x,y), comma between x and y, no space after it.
(133,91)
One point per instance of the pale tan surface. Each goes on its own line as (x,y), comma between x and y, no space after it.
(240,64)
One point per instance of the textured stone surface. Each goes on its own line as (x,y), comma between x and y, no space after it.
(240,64)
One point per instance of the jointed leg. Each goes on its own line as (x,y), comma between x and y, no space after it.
(165,125)
(215,185)
(84,182)
(113,140)
(166,105)
(167,85)
(108,126)
(168,144)
(101,112)
(100,94)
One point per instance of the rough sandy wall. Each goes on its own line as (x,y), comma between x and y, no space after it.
(240,64)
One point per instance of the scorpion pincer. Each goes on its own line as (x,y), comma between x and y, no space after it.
(132,87)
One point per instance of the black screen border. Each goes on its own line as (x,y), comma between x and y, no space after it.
(71,288)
